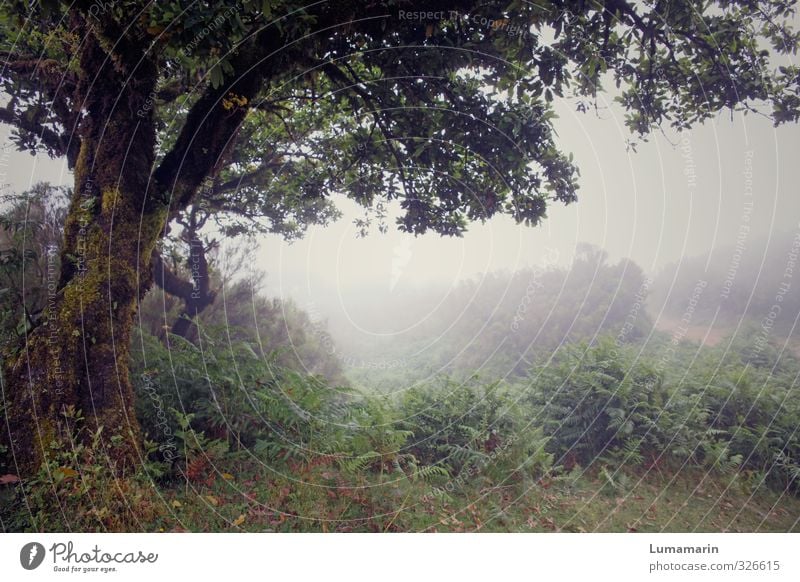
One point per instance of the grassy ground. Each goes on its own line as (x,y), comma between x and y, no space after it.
(653,505)
(323,500)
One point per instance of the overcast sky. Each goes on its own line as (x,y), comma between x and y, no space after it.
(655,205)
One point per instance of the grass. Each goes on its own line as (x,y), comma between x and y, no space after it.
(323,499)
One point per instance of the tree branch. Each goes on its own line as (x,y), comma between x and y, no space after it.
(51,139)
(210,128)
(339,77)
(168,280)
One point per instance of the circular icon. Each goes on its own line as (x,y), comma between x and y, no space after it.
(31,555)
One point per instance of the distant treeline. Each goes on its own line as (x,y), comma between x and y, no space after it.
(754,279)
(496,325)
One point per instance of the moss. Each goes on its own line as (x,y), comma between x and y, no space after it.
(110,200)
(94,315)
(105,266)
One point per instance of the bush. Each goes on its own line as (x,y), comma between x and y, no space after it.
(475,428)
(596,401)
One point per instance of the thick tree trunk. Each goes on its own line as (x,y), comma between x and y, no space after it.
(78,358)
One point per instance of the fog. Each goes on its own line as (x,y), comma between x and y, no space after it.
(639,205)
(733,179)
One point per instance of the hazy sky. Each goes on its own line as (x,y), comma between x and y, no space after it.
(655,205)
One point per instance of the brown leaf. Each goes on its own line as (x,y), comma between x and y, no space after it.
(8,479)
(67,472)
(277,519)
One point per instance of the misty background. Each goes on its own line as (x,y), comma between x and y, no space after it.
(726,185)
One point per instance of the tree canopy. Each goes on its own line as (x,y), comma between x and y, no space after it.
(446,110)
(256,115)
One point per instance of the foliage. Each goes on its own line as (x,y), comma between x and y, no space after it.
(496,324)
(592,403)
(604,403)
(30,232)
(473,427)
(227,388)
(263,444)
(338,102)
(77,486)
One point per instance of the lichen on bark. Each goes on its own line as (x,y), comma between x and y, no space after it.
(78,358)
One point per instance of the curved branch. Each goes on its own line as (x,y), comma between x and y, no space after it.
(210,127)
(51,139)
(340,77)
(168,280)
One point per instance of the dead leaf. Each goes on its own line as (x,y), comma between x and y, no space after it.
(238,521)
(212,500)
(67,473)
(176,503)
(8,479)
(227,476)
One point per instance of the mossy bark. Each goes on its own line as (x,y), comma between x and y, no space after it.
(79,357)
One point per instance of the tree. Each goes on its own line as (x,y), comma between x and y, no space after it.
(444,111)
(256,193)
(30,232)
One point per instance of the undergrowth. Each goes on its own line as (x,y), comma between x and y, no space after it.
(602,438)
